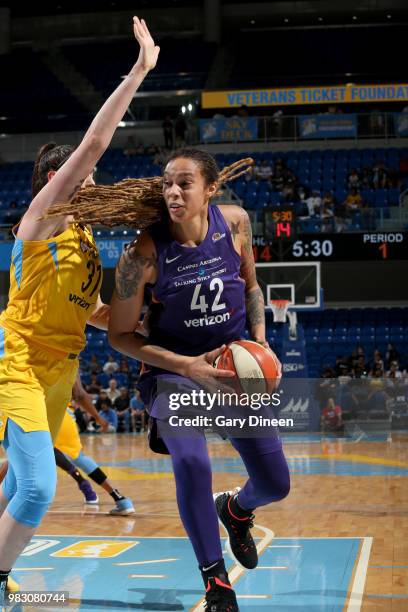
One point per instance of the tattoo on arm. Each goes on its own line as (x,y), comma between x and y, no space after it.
(247,257)
(130,271)
(255,307)
(234,229)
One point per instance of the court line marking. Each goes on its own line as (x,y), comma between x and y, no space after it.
(388,596)
(146,562)
(31,569)
(237,570)
(357,590)
(254,596)
(387,566)
(147,576)
(352,458)
(272,567)
(286,546)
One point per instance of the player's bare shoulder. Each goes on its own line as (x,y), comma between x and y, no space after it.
(137,266)
(238,221)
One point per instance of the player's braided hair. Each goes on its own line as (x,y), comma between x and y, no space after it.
(139,202)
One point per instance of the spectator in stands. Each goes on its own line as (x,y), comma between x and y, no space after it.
(121,405)
(392,354)
(353,179)
(380,176)
(377,122)
(278,178)
(314,202)
(301,193)
(93,387)
(92,366)
(152,149)
(367,178)
(124,367)
(110,415)
(331,417)
(112,391)
(138,413)
(377,361)
(102,397)
(340,216)
(394,371)
(277,123)
(289,191)
(111,366)
(327,213)
(130,147)
(160,158)
(342,366)
(264,171)
(353,202)
(168,134)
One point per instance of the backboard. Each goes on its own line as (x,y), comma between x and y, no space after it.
(298,282)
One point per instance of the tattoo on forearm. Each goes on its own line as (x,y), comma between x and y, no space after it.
(248,264)
(234,229)
(255,307)
(129,273)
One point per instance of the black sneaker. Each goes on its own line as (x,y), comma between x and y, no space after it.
(240,544)
(219,596)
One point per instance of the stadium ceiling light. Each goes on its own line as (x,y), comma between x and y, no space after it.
(320,19)
(286,20)
(354,17)
(190,107)
(183,110)
(252,22)
(389,16)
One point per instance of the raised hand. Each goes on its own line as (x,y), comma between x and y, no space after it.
(149,52)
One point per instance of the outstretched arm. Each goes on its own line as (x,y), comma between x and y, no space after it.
(70,177)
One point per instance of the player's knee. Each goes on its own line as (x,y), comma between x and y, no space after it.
(195,465)
(33,497)
(272,490)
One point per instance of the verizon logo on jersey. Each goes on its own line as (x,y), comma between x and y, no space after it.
(79,301)
(207,320)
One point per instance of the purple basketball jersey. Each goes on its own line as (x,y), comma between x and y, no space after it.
(199,298)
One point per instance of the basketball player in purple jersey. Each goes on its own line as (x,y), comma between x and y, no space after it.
(199,266)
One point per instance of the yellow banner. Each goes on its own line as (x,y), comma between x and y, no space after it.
(298,96)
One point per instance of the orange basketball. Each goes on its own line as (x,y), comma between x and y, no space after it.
(250,361)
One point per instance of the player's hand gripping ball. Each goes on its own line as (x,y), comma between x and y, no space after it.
(252,363)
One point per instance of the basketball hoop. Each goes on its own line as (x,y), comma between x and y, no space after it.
(280,310)
(281,313)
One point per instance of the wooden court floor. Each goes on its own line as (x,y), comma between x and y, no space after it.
(339,489)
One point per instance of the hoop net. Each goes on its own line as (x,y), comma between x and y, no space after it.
(280,310)
(281,313)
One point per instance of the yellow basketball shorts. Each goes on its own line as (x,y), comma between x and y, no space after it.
(68,440)
(35,384)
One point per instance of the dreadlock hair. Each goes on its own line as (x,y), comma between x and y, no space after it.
(50,157)
(139,203)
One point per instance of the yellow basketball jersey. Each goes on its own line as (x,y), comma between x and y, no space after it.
(54,285)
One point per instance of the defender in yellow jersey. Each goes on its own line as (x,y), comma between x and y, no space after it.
(55,278)
(54,288)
